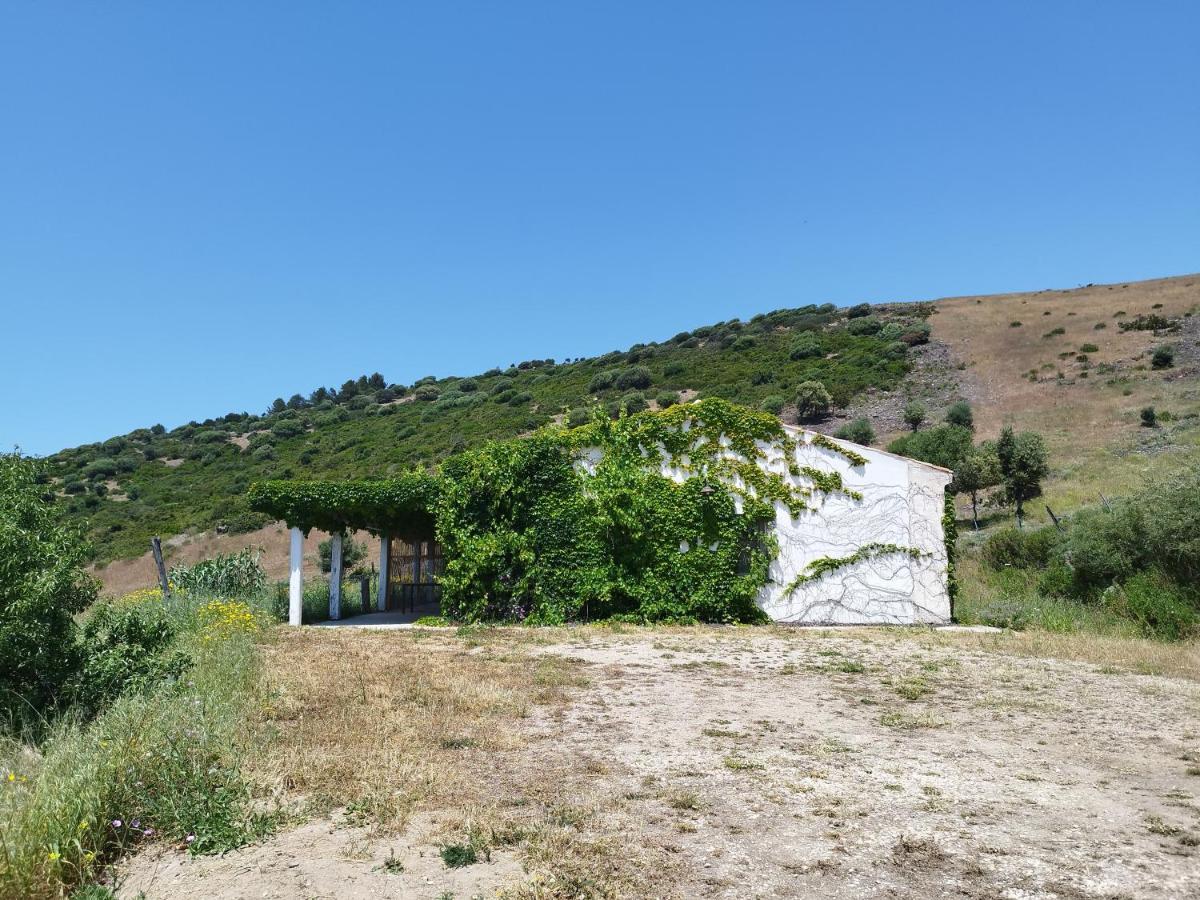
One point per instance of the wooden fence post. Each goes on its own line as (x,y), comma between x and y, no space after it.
(156,549)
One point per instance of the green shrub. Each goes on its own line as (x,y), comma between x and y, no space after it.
(578,416)
(602,381)
(1159,605)
(666,399)
(805,345)
(426,393)
(772,403)
(226,575)
(1019,548)
(864,325)
(1164,357)
(858,311)
(859,431)
(914,414)
(1088,348)
(633,377)
(960,414)
(125,646)
(1149,417)
(633,402)
(812,401)
(42,586)
(520,399)
(1055,332)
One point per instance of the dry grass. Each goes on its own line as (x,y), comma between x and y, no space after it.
(382,723)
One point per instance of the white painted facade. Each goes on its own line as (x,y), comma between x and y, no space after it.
(902,504)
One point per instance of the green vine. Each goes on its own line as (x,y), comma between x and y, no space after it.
(950,535)
(819,568)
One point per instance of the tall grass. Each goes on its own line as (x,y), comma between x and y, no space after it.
(156,765)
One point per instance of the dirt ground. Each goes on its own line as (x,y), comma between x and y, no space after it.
(787,763)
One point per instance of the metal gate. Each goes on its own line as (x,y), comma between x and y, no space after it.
(413,570)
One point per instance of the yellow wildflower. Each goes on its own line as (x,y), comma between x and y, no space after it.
(53,856)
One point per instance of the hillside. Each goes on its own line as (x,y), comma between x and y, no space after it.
(1038,374)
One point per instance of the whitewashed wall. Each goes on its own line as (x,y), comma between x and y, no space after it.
(902,504)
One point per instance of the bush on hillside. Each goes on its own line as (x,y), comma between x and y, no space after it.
(666,399)
(772,403)
(1020,549)
(812,401)
(864,325)
(633,377)
(960,414)
(1164,357)
(859,431)
(602,381)
(805,345)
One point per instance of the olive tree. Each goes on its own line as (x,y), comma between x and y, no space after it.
(978,470)
(1023,465)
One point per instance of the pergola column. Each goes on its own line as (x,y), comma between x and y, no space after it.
(296,578)
(385,550)
(335,576)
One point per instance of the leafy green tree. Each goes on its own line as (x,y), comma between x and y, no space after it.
(914,414)
(812,401)
(859,431)
(278,405)
(1023,465)
(1149,416)
(978,470)
(42,586)
(376,382)
(296,402)
(960,414)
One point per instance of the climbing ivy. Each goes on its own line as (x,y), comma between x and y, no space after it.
(950,535)
(819,568)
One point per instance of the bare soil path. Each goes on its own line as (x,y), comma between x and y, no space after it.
(770,763)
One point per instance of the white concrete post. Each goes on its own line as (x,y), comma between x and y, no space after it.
(296,579)
(335,577)
(385,550)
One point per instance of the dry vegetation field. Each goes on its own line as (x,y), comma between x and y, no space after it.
(1090,415)
(716,762)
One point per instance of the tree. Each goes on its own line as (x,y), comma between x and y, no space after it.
(859,431)
(978,470)
(812,401)
(960,414)
(1023,465)
(1164,357)
(376,382)
(296,402)
(42,587)
(278,406)
(914,414)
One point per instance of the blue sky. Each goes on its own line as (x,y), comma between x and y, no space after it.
(205,206)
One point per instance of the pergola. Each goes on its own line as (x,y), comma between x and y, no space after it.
(400,509)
